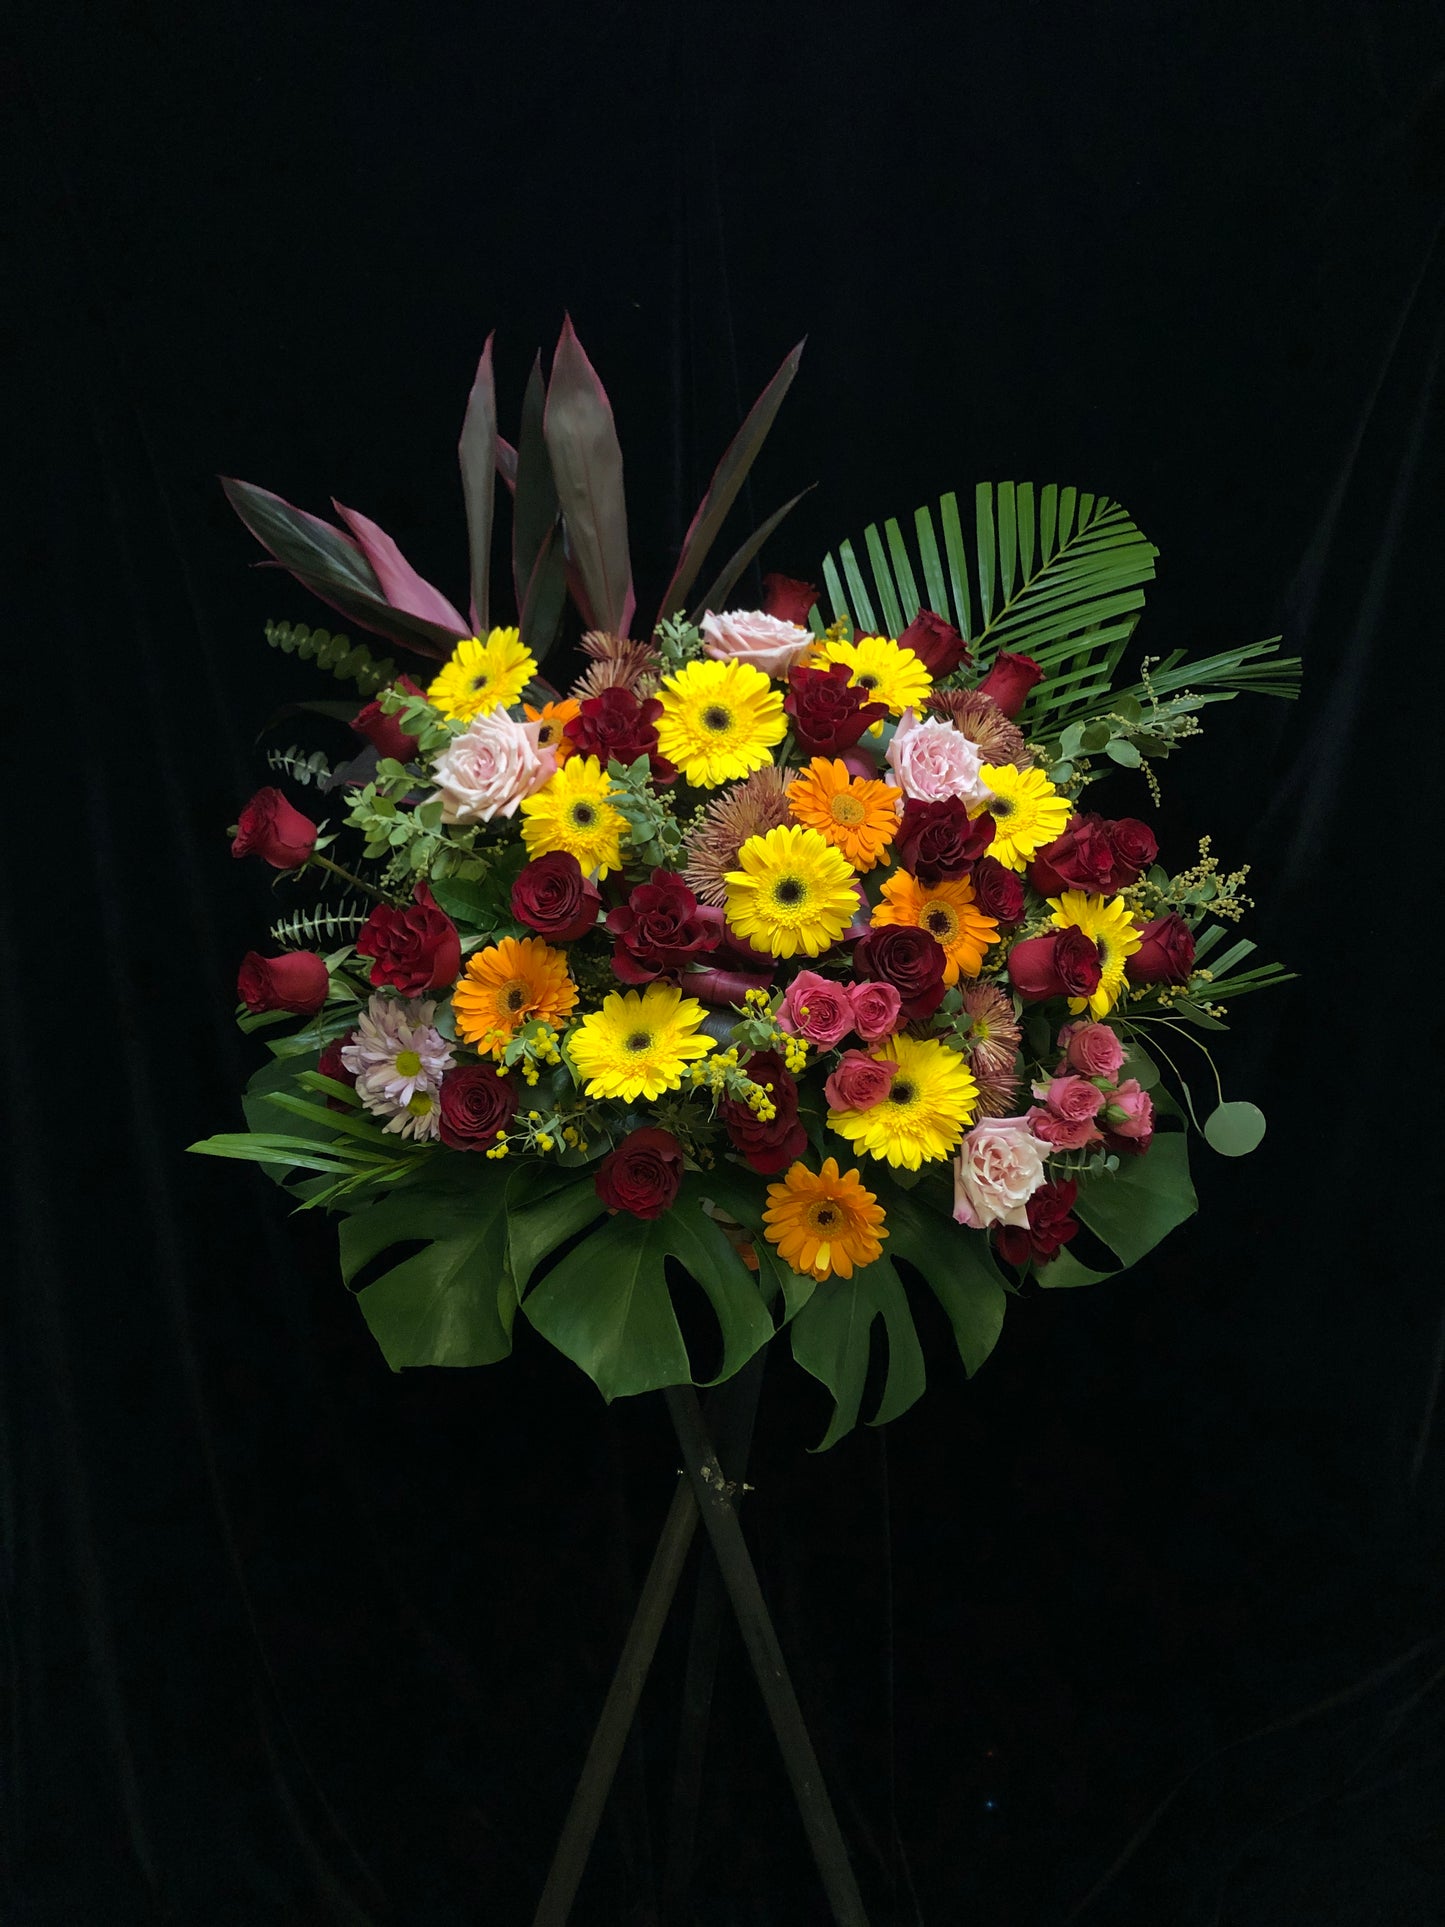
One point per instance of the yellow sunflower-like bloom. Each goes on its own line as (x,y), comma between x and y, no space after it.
(856,814)
(1115,935)
(890,673)
(948,913)
(791,891)
(924,1115)
(571,812)
(719,721)
(639,1042)
(824,1224)
(1026,808)
(482,676)
(554,718)
(506,985)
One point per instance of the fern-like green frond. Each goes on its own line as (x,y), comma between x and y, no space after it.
(300,765)
(348,660)
(321,928)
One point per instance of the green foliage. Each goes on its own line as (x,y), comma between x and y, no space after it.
(298,765)
(1234,1129)
(956,1264)
(322,926)
(481,905)
(349,661)
(1130,1209)
(453,1302)
(832,1335)
(653,837)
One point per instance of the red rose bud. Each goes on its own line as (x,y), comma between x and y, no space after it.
(554,898)
(330,1065)
(476,1107)
(271,829)
(911,960)
(296,980)
(936,643)
(415,949)
(1065,964)
(1049,1228)
(788,599)
(383,732)
(938,841)
(642,1175)
(1165,954)
(828,713)
(1010,680)
(770,1146)
(998,892)
(658,930)
(616,724)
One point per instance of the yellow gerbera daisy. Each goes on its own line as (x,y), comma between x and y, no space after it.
(554,718)
(1026,808)
(506,985)
(933,1098)
(825,1223)
(791,891)
(890,673)
(948,913)
(571,812)
(719,721)
(1115,935)
(638,1043)
(856,814)
(482,676)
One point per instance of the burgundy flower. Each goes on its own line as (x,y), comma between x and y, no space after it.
(1049,1228)
(911,960)
(772,1146)
(938,841)
(415,949)
(616,723)
(828,713)
(1010,680)
(1063,964)
(1135,848)
(936,643)
(476,1107)
(997,890)
(1165,954)
(1094,854)
(297,980)
(383,732)
(330,1065)
(271,829)
(554,898)
(788,599)
(642,1175)
(658,931)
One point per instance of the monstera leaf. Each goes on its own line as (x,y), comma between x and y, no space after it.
(831,1339)
(452,1302)
(1130,1210)
(954,1263)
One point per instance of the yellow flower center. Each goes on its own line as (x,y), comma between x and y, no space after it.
(547,735)
(865,682)
(824,1216)
(999,806)
(420,1105)
(846,808)
(940,922)
(408,1063)
(904,1091)
(481,681)
(790,891)
(717,719)
(640,1040)
(514,994)
(583,815)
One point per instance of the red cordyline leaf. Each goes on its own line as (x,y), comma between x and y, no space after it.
(581,439)
(477,453)
(401,586)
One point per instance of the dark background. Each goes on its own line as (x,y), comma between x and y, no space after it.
(1145,1623)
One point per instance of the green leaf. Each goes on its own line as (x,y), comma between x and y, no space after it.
(722,586)
(1196,1014)
(831,1336)
(1140,1066)
(956,1264)
(1120,750)
(545,1207)
(1234,1129)
(1133,1208)
(477,453)
(453,1302)
(582,441)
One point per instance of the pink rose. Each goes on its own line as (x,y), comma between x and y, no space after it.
(490,767)
(932,760)
(858,1083)
(1072,1098)
(747,635)
(816,1009)
(1062,1133)
(999,1166)
(1128,1117)
(875,1010)
(1091,1049)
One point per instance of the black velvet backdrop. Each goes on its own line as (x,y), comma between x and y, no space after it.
(1155,1602)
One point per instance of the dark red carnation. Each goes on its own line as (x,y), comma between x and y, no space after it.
(658,931)
(554,898)
(615,723)
(414,949)
(1049,1228)
(1010,680)
(936,643)
(383,732)
(998,891)
(937,841)
(788,599)
(1165,954)
(271,829)
(330,1065)
(828,713)
(476,1107)
(1063,964)
(296,980)
(642,1175)
(910,959)
(772,1146)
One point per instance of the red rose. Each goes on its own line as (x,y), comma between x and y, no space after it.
(938,841)
(828,713)
(554,898)
(296,980)
(1165,954)
(383,732)
(476,1107)
(936,643)
(1065,964)
(1082,858)
(1135,849)
(1049,1227)
(788,599)
(642,1175)
(998,892)
(330,1065)
(658,930)
(271,829)
(616,724)
(772,1146)
(907,957)
(416,949)
(1010,680)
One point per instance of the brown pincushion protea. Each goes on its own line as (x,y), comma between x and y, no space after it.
(979,718)
(616,664)
(750,808)
(991,1048)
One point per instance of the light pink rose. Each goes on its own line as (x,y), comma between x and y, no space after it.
(859,1082)
(816,1009)
(1063,1133)
(1129,1113)
(1072,1098)
(875,1010)
(999,1166)
(747,635)
(490,767)
(932,760)
(1091,1049)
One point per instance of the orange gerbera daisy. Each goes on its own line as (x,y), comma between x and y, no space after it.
(505,986)
(856,814)
(554,718)
(824,1224)
(947,912)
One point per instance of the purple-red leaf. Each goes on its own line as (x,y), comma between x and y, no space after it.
(541,610)
(401,586)
(534,509)
(581,438)
(722,587)
(507,462)
(477,451)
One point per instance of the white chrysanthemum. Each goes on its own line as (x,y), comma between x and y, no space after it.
(399,1059)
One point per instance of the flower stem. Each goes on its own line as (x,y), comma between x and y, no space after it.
(358,883)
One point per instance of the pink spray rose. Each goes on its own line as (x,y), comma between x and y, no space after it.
(1093,1050)
(932,760)
(1128,1117)
(747,635)
(875,1010)
(858,1083)
(817,1009)
(999,1166)
(1066,1117)
(490,767)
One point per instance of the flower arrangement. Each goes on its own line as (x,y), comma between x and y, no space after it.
(783,945)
